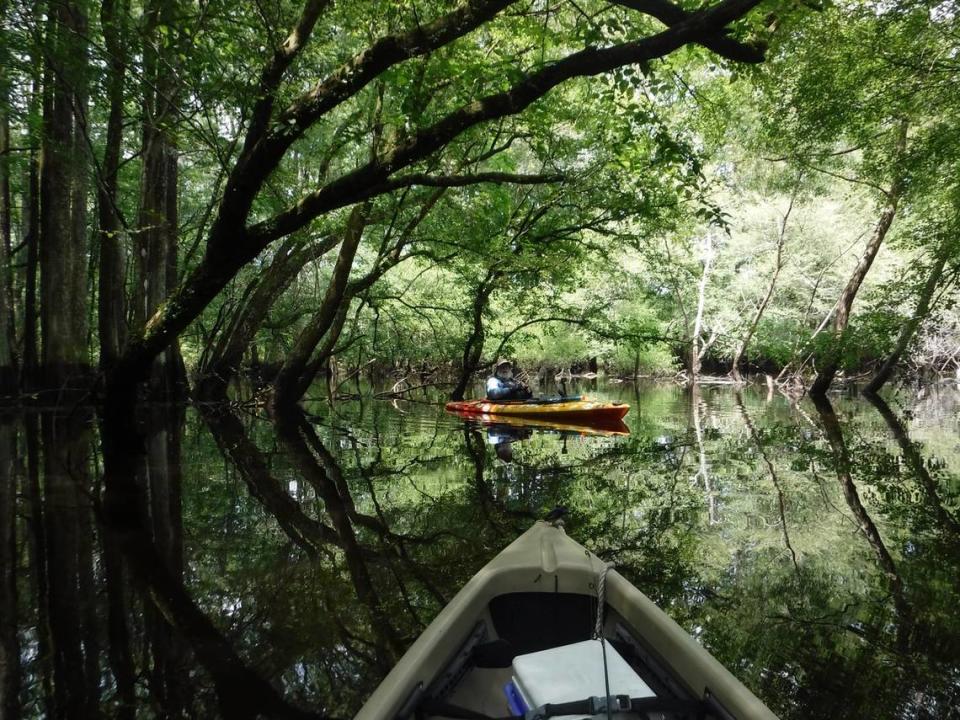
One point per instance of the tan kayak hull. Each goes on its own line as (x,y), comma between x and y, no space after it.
(545,559)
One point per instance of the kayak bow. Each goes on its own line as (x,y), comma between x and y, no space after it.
(522,632)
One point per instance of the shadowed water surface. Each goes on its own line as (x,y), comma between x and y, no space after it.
(280,567)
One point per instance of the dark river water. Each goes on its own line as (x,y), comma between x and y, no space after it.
(282,566)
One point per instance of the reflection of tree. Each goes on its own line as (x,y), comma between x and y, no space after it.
(473,443)
(37,548)
(915,462)
(843,467)
(318,467)
(69,564)
(781,501)
(228,431)
(10,676)
(150,548)
(703,471)
(118,631)
(492,502)
(161,480)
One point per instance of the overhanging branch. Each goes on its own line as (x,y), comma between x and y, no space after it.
(447,181)
(670,14)
(367,180)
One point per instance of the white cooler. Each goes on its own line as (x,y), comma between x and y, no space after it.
(574,672)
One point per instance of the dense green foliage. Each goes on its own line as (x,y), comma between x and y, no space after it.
(699,209)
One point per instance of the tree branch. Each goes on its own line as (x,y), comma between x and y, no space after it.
(447,181)
(670,14)
(273,72)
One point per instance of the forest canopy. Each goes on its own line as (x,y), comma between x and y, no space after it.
(194,193)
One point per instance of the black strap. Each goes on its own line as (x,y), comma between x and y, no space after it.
(640,706)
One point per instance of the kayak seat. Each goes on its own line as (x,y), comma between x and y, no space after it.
(531,622)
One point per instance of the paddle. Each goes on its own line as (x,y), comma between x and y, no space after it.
(538,401)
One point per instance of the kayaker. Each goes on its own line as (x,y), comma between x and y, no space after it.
(503,386)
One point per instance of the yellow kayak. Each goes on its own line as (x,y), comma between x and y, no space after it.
(605,426)
(582,410)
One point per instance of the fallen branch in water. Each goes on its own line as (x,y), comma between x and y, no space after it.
(399,393)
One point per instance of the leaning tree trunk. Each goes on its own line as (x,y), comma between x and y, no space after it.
(63,242)
(841,319)
(909,328)
(289,384)
(473,349)
(223,362)
(111,294)
(385,261)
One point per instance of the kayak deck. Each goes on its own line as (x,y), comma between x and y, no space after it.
(580,410)
(540,594)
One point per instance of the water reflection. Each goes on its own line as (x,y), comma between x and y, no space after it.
(277,567)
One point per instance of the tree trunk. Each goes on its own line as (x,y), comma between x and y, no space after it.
(329,345)
(8,368)
(289,384)
(157,218)
(842,317)
(909,328)
(761,308)
(696,352)
(111,292)
(63,185)
(473,349)
(31,222)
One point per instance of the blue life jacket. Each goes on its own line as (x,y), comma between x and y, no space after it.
(504,389)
